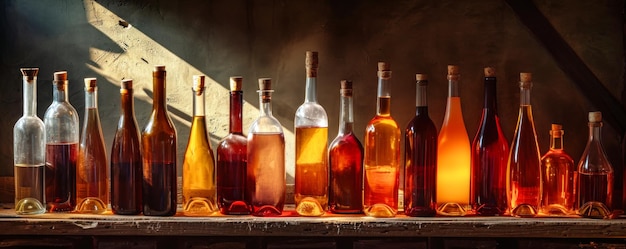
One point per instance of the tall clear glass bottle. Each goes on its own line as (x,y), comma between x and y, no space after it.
(62,137)
(126,160)
(265,181)
(490,154)
(558,170)
(29,151)
(453,154)
(311,126)
(524,167)
(232,158)
(382,154)
(345,156)
(158,141)
(92,193)
(420,157)
(594,178)
(199,164)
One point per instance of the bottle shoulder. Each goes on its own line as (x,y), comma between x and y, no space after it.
(557,156)
(266,124)
(232,140)
(311,114)
(347,139)
(61,111)
(29,123)
(594,159)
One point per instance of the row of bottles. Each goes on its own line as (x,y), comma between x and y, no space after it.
(445,174)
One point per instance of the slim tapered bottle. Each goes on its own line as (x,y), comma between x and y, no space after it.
(265,181)
(62,137)
(524,167)
(345,156)
(126,165)
(382,154)
(420,157)
(29,151)
(594,178)
(199,164)
(311,125)
(91,172)
(158,141)
(232,158)
(453,154)
(558,170)
(490,154)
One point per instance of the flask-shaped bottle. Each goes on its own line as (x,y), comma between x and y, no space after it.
(558,170)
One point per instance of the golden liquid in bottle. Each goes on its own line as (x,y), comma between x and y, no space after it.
(199,173)
(311,187)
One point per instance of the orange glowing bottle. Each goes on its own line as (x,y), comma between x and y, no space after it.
(558,176)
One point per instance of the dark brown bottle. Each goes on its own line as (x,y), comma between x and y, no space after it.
(158,142)
(126,165)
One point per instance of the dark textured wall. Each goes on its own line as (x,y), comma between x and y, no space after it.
(268,39)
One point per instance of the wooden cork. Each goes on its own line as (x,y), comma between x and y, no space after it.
(525,77)
(311,63)
(127,84)
(556,130)
(384,70)
(198,84)
(595,117)
(159,68)
(236,82)
(453,72)
(29,73)
(346,85)
(90,84)
(265,84)
(60,76)
(421,76)
(490,72)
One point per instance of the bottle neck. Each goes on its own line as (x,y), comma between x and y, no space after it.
(383,105)
(198,102)
(453,87)
(30,96)
(91,98)
(347,120)
(59,92)
(421,98)
(158,86)
(236,104)
(490,94)
(265,102)
(595,132)
(524,94)
(127,102)
(556,140)
(311,89)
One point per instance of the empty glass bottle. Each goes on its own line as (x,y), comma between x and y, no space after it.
(91,172)
(29,151)
(558,170)
(594,179)
(158,141)
(265,182)
(62,137)
(126,160)
(199,164)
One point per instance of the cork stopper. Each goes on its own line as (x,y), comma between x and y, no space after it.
(490,72)
(311,64)
(29,73)
(525,77)
(384,70)
(595,117)
(159,68)
(60,76)
(453,72)
(127,84)
(265,84)
(236,82)
(345,88)
(556,130)
(90,84)
(198,84)
(420,77)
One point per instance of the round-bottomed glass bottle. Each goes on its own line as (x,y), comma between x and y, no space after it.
(558,176)
(29,151)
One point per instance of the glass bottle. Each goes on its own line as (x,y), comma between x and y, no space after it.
(232,158)
(558,176)
(382,154)
(594,178)
(126,164)
(91,172)
(199,164)
(490,154)
(420,155)
(345,156)
(524,166)
(311,126)
(62,137)
(453,154)
(29,151)
(265,178)
(158,141)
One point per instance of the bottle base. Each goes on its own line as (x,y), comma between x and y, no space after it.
(309,207)
(29,206)
(380,211)
(420,211)
(266,211)
(524,211)
(595,210)
(236,207)
(91,205)
(198,206)
(487,210)
(451,209)
(555,210)
(60,207)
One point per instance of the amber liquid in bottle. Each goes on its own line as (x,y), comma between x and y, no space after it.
(453,154)
(265,178)
(199,165)
(558,177)
(382,154)
(490,154)
(345,156)
(126,165)
(62,137)
(158,142)
(420,155)
(524,166)
(232,158)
